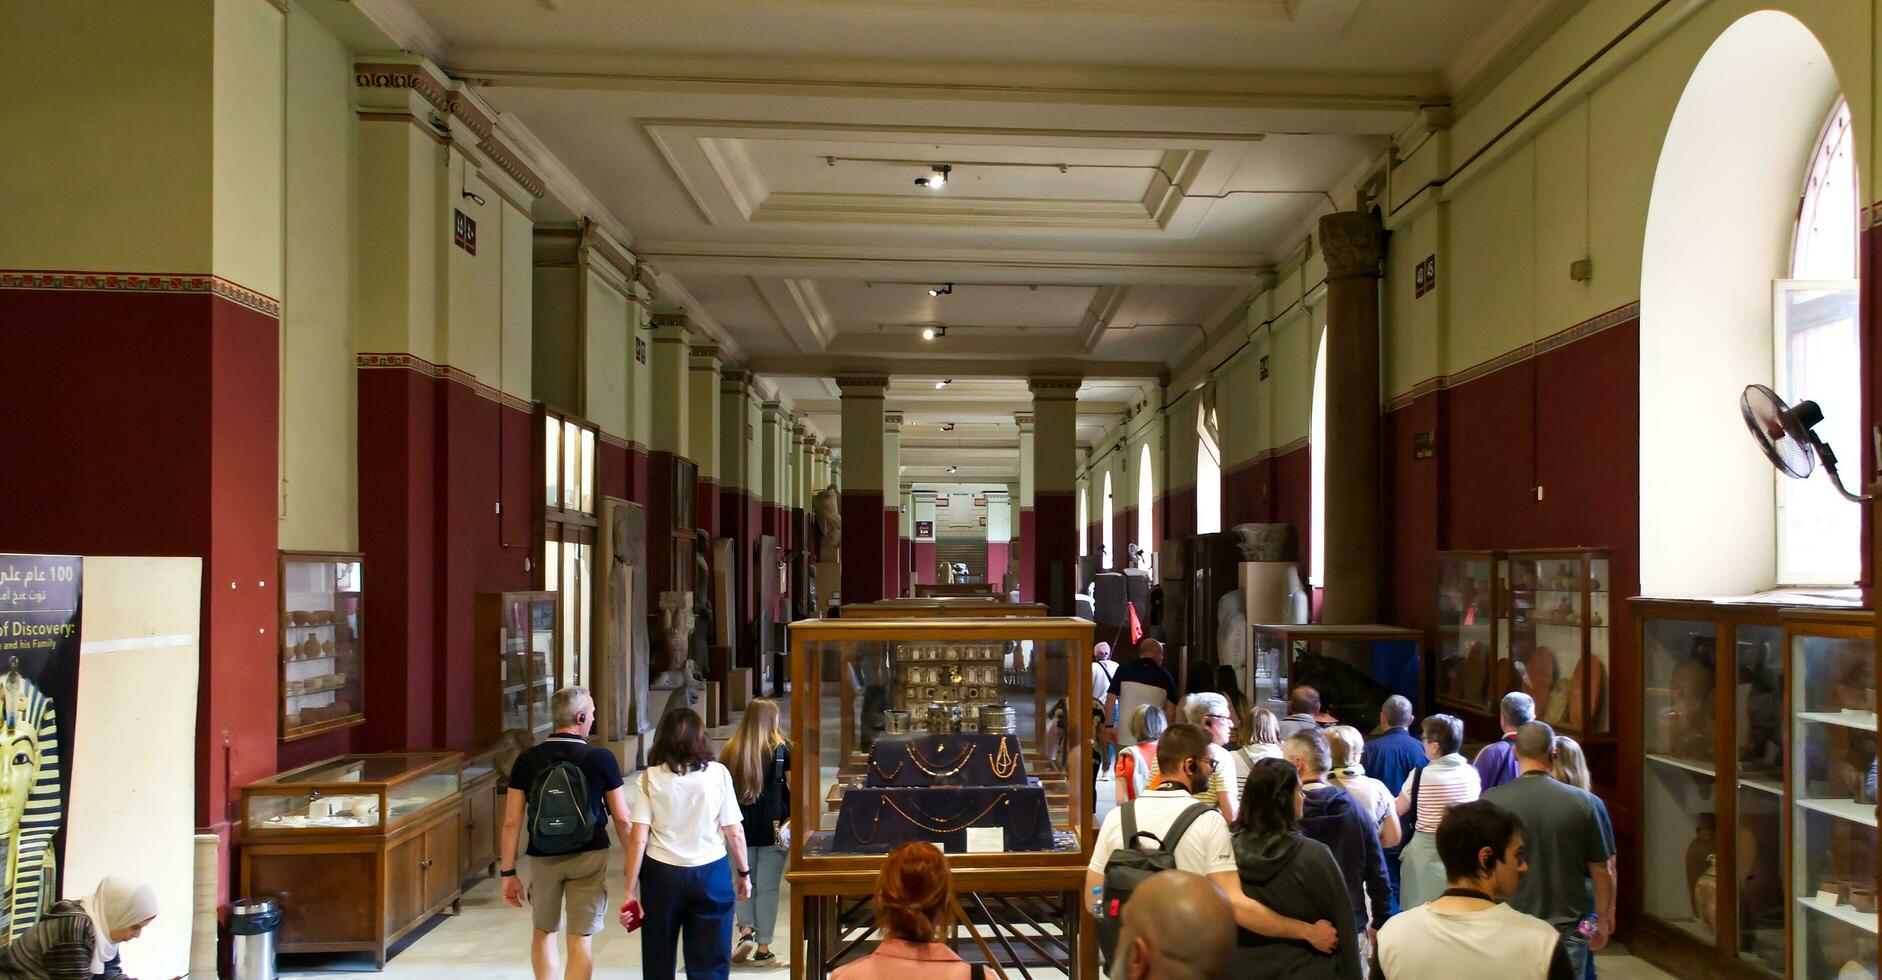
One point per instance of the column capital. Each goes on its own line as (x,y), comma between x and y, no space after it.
(704,357)
(772,411)
(861,385)
(668,318)
(733,380)
(1054,387)
(1352,244)
(1023,420)
(892,421)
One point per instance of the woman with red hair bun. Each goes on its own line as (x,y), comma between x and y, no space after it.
(913,896)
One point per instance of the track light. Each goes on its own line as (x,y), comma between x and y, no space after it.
(943,383)
(937,177)
(945,289)
(947,427)
(930,333)
(954,469)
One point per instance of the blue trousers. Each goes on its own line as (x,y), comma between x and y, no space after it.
(696,902)
(1391,874)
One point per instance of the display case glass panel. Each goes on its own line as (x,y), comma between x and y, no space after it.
(352,793)
(322,675)
(525,646)
(1758,841)
(1832,783)
(1552,628)
(1466,630)
(955,731)
(1354,668)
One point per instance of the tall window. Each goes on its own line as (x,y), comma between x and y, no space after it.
(1208,474)
(1816,345)
(1084,520)
(1317,455)
(1146,506)
(568,535)
(1110,550)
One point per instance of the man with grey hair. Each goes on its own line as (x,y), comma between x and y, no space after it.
(1331,816)
(1496,762)
(1210,712)
(1569,841)
(1391,758)
(1177,926)
(570,789)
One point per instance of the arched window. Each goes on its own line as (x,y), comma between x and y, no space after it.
(1084,521)
(1208,474)
(1317,453)
(1146,506)
(1110,547)
(1816,349)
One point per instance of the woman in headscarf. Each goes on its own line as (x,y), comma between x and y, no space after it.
(79,940)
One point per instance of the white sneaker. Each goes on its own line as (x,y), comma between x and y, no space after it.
(743,948)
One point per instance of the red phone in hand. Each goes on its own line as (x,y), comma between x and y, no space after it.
(631,915)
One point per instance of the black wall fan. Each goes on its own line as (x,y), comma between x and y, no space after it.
(1786,434)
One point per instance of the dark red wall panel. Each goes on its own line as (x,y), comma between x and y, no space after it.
(1055,577)
(862,546)
(1180,511)
(997,557)
(611,470)
(924,560)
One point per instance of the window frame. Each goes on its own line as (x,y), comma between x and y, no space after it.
(571,522)
(1210,452)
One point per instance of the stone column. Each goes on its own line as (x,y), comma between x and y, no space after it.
(1055,507)
(1027,525)
(671,433)
(703,402)
(1353,247)
(863,488)
(891,504)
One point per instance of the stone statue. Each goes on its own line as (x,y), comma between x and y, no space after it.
(1231,629)
(826,508)
(1267,542)
(676,628)
(702,591)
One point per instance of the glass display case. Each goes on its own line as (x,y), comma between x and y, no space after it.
(1712,744)
(1552,628)
(517,636)
(1831,783)
(1466,632)
(323,685)
(1354,668)
(350,794)
(932,741)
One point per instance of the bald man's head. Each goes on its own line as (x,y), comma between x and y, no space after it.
(1153,649)
(1177,926)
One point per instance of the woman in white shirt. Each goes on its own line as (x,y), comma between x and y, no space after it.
(1449,779)
(685,852)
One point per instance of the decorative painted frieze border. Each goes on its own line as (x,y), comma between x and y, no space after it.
(134,282)
(394,75)
(412,362)
(1555,341)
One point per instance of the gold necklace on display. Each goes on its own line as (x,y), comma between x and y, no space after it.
(1005,762)
(932,827)
(939,769)
(877,766)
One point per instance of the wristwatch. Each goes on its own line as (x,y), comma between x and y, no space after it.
(744,873)
(507,874)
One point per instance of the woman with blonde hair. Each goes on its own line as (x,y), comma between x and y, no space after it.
(1372,795)
(913,895)
(1570,765)
(759,758)
(1263,741)
(1137,762)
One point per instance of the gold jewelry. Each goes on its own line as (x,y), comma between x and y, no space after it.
(1005,762)
(877,766)
(939,769)
(911,818)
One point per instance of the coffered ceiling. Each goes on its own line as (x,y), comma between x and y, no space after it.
(1124,173)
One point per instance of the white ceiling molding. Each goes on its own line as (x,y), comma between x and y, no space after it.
(403,25)
(830,365)
(897,263)
(1103,307)
(955,212)
(562,184)
(668,288)
(799,309)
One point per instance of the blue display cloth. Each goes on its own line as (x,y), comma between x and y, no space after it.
(966,759)
(877,819)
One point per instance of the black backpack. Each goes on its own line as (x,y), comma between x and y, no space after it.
(1130,866)
(559,818)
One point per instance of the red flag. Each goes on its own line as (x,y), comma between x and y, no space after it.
(1137,626)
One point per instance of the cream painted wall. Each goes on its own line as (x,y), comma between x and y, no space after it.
(401,169)
(608,352)
(518,307)
(1179,455)
(319,392)
(639,376)
(69,205)
(246,156)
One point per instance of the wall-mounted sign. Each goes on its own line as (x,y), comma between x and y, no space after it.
(39,640)
(1424,445)
(640,350)
(941,501)
(1425,276)
(465,232)
(924,529)
(1263,363)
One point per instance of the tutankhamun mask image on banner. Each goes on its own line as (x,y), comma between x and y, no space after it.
(31,811)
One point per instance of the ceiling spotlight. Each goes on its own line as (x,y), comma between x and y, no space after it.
(954,469)
(930,333)
(937,177)
(947,427)
(943,383)
(945,289)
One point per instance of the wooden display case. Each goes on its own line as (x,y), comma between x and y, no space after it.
(1830,784)
(846,668)
(323,683)
(1355,668)
(518,635)
(1536,621)
(941,608)
(356,851)
(484,784)
(1711,880)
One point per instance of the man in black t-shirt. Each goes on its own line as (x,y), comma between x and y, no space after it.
(577,880)
(1141,681)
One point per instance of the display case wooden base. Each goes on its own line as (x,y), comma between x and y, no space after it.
(359,893)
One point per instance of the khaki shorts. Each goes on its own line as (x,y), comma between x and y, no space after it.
(579,881)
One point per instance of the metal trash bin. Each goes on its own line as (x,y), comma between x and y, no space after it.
(252,925)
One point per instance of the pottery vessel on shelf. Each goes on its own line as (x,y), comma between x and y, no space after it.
(1862,898)
(1705,894)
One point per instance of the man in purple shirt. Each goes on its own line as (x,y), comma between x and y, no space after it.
(1496,764)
